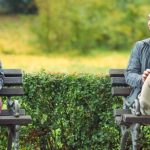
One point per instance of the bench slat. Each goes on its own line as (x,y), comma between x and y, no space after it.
(118,81)
(116,72)
(121,91)
(130,118)
(12,91)
(119,112)
(11,120)
(12,72)
(8,81)
(6,112)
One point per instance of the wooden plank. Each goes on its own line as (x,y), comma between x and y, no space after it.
(12,91)
(130,118)
(118,81)
(12,72)
(11,113)
(121,91)
(116,72)
(119,112)
(11,120)
(8,81)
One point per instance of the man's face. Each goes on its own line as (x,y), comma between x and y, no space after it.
(148,21)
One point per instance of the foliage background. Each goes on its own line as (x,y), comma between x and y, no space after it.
(73,111)
(88,24)
(73,29)
(84,25)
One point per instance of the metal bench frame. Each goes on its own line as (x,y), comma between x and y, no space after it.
(128,118)
(13,117)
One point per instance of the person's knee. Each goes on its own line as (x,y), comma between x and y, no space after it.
(144,97)
(148,78)
(147,82)
(144,107)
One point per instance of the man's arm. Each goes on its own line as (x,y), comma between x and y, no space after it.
(133,73)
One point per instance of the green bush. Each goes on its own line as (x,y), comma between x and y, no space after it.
(89,24)
(69,112)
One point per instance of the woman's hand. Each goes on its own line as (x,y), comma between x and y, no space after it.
(145,74)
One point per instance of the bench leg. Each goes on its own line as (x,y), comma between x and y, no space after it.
(13,137)
(124,137)
(130,137)
(135,130)
(11,131)
(16,139)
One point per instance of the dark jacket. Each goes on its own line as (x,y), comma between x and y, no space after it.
(139,61)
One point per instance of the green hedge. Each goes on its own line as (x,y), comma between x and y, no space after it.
(70,112)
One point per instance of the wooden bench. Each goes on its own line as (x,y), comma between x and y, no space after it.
(127,118)
(13,116)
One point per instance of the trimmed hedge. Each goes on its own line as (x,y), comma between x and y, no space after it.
(70,112)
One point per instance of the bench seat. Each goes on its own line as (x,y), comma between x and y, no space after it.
(124,116)
(130,118)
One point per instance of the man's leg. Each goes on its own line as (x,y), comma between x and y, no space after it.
(144,97)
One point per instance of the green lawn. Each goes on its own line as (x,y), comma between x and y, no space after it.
(18,51)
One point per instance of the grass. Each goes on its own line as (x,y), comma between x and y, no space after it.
(65,64)
(16,51)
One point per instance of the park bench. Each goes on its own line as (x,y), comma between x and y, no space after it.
(13,117)
(127,118)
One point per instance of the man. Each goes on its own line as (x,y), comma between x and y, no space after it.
(137,74)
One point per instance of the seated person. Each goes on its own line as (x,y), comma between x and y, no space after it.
(137,74)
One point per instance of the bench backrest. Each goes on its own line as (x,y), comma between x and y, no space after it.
(12,83)
(119,85)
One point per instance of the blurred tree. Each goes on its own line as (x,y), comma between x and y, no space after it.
(18,6)
(88,24)
(5,6)
(23,6)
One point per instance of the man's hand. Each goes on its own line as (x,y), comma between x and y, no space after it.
(145,74)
